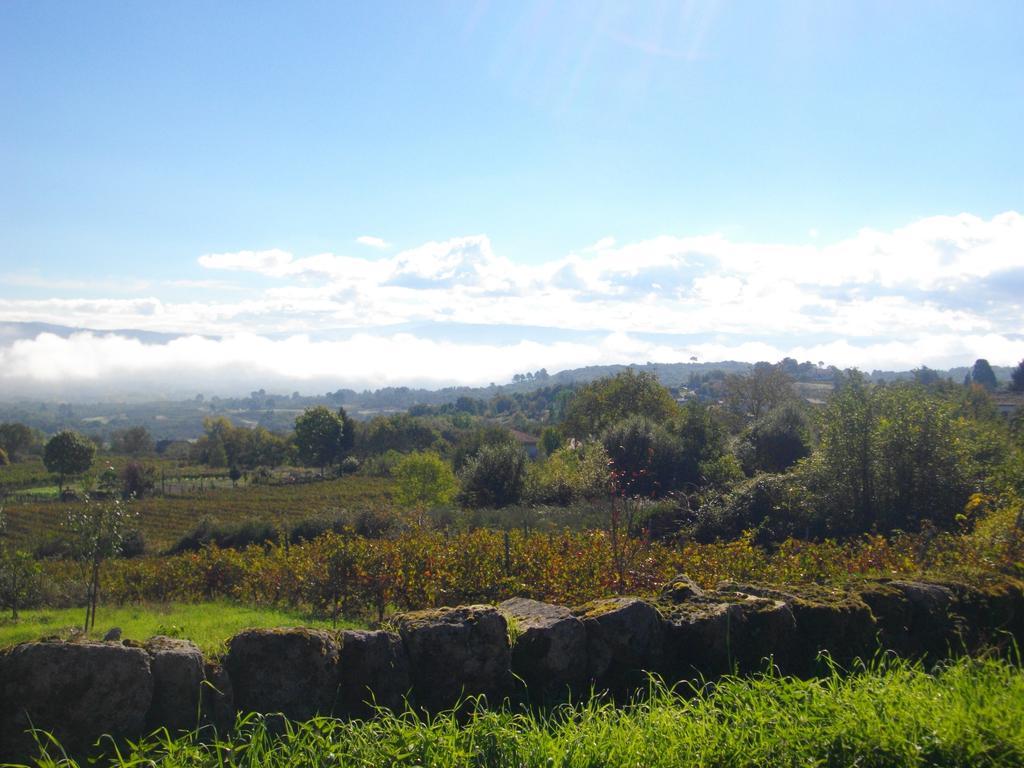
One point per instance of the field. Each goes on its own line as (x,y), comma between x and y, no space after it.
(29,473)
(207,624)
(164,519)
(893,715)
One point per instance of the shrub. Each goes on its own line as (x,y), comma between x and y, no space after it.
(133,544)
(236,536)
(494,477)
(775,507)
(424,480)
(137,481)
(381,465)
(20,580)
(645,458)
(776,441)
(571,473)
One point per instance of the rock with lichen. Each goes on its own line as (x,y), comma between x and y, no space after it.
(289,671)
(625,642)
(455,653)
(373,671)
(549,653)
(178,677)
(75,691)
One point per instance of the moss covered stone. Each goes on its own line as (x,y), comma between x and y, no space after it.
(456,652)
(550,651)
(373,672)
(177,683)
(829,621)
(625,641)
(289,671)
(76,691)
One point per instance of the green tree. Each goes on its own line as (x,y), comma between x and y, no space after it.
(644,456)
(926,377)
(571,473)
(751,395)
(705,459)
(68,453)
(136,480)
(4,460)
(494,477)
(982,373)
(845,464)
(348,434)
(1017,378)
(424,481)
(890,457)
(133,441)
(216,453)
(95,531)
(550,440)
(776,441)
(20,575)
(15,439)
(471,442)
(601,403)
(398,432)
(318,436)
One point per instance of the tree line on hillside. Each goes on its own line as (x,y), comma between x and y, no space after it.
(873,457)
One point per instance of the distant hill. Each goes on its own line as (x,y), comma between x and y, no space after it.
(11,332)
(176,416)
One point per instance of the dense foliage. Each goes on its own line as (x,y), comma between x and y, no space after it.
(410,567)
(634,484)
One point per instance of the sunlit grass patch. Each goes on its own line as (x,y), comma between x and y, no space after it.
(209,624)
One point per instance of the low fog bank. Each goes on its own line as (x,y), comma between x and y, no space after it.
(87,365)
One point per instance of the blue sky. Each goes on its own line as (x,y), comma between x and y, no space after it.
(143,143)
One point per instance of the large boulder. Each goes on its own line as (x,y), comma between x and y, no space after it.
(293,672)
(217,700)
(625,642)
(76,691)
(549,651)
(373,671)
(721,632)
(828,620)
(455,653)
(916,620)
(177,667)
(988,615)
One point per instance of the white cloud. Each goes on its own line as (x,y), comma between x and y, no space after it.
(373,242)
(203,285)
(110,284)
(85,362)
(274,262)
(601,245)
(931,291)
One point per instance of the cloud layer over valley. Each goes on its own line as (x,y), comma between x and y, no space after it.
(940,291)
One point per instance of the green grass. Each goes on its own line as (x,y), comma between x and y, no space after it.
(42,491)
(209,625)
(895,715)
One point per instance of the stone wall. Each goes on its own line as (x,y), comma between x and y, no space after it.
(520,648)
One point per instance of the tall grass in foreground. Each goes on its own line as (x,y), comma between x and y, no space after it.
(969,713)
